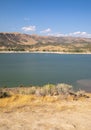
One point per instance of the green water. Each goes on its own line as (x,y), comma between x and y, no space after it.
(39,69)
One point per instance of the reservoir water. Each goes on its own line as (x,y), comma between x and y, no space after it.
(40,69)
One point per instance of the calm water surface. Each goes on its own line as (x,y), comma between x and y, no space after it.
(39,69)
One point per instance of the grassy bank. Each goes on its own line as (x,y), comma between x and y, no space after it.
(23,96)
(48,89)
(50,107)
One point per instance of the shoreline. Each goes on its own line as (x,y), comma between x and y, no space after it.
(42,52)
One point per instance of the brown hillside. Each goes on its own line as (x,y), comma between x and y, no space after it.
(25,42)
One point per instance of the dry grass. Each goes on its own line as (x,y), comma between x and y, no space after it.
(31,112)
(20,101)
(47,95)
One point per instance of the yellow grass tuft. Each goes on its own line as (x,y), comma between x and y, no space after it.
(16,100)
(20,100)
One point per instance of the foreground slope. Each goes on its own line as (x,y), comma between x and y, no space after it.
(29,112)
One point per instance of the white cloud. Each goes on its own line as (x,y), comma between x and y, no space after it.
(46,30)
(56,34)
(76,33)
(84,33)
(73,34)
(59,35)
(29,28)
(80,34)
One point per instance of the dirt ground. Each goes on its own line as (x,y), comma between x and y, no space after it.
(61,115)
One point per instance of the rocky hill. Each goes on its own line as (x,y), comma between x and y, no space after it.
(25,42)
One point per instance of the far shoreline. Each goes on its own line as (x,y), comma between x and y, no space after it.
(43,52)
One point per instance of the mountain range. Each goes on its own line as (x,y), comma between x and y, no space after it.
(26,42)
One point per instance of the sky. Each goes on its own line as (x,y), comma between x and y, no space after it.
(46,17)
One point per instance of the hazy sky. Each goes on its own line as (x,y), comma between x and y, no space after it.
(46,17)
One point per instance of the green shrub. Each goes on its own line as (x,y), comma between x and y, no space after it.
(49,89)
(64,88)
(80,93)
(4,93)
(32,90)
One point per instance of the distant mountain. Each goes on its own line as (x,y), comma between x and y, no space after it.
(25,42)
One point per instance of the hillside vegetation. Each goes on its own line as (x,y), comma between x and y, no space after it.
(25,42)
